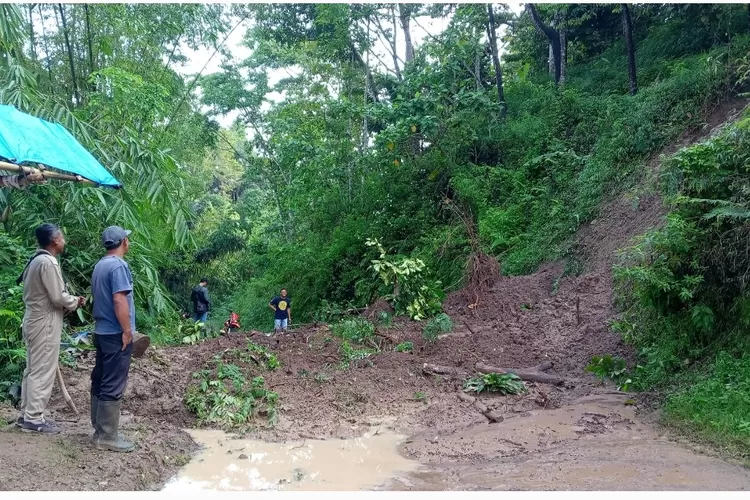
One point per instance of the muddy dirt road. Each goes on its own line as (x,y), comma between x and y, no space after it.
(573,435)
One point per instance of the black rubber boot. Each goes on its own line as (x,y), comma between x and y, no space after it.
(94,411)
(108,423)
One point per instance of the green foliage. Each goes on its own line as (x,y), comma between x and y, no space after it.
(438,325)
(269,359)
(191,331)
(350,356)
(385,319)
(13,257)
(420,396)
(404,347)
(357,330)
(506,384)
(222,396)
(410,292)
(714,404)
(683,290)
(613,368)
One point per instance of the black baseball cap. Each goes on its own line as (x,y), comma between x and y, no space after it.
(113,235)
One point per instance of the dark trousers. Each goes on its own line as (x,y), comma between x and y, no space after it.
(110,376)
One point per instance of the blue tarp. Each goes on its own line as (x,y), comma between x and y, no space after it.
(25,138)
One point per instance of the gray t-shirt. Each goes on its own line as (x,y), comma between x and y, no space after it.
(111,275)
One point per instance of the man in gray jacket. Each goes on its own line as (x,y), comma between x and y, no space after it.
(46,299)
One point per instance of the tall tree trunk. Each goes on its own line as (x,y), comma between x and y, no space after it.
(368,77)
(394,44)
(551,61)
(32,38)
(496,59)
(563,53)
(553,36)
(627,29)
(88,39)
(405,17)
(366,68)
(70,55)
(478,70)
(45,45)
(748,18)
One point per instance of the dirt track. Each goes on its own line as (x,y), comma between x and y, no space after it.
(571,437)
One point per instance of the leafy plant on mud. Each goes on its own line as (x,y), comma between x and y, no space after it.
(611,367)
(350,356)
(385,319)
(357,330)
(438,325)
(506,384)
(191,331)
(404,347)
(268,359)
(411,291)
(224,397)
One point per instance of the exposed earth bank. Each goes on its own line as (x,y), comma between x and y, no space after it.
(574,435)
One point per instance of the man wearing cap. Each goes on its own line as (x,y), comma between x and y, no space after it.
(114,316)
(201,302)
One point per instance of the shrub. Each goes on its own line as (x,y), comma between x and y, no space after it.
(438,325)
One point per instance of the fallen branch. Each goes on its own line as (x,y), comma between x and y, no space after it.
(66,396)
(534,374)
(387,337)
(431,369)
(490,414)
(153,374)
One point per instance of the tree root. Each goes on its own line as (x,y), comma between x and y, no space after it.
(449,371)
(490,414)
(533,374)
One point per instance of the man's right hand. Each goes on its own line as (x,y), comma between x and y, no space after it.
(127,338)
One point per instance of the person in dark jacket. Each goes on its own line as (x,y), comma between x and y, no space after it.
(201,302)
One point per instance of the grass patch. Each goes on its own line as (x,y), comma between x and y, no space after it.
(715,405)
(437,326)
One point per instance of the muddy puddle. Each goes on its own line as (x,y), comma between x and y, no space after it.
(596,443)
(229,464)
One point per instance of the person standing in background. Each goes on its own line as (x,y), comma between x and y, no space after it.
(201,302)
(114,316)
(46,299)
(282,306)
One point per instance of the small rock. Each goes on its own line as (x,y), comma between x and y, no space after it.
(242,456)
